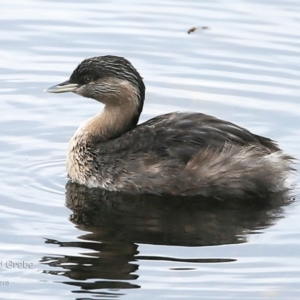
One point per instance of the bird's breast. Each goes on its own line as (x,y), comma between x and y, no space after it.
(79,161)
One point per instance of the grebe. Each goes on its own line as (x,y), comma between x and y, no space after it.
(177,153)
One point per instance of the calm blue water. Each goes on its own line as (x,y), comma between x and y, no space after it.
(64,242)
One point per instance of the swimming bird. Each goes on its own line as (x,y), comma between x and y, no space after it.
(179,153)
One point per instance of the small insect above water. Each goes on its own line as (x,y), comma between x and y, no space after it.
(193,29)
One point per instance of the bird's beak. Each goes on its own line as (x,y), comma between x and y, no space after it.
(63,87)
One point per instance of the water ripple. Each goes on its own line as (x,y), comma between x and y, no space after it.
(244,67)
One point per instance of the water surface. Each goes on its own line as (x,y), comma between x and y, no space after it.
(85,244)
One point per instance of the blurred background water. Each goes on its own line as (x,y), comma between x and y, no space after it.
(241,64)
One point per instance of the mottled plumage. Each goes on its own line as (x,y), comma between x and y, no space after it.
(176,153)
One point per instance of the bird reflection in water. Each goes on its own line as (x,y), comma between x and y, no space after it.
(116,223)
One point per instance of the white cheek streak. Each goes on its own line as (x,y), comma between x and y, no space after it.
(79,91)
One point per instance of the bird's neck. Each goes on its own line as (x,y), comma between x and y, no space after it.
(112,122)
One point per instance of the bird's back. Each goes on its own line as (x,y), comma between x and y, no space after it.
(190,154)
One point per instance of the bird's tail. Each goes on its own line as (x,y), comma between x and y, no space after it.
(240,172)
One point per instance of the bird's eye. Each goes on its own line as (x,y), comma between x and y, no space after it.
(87,78)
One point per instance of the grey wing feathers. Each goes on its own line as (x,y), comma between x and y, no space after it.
(182,135)
(191,154)
(191,132)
